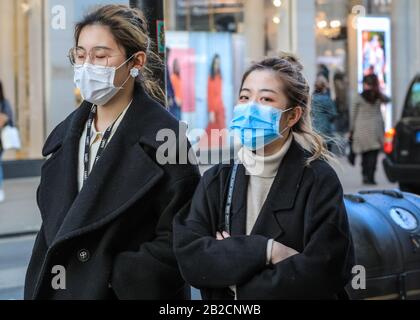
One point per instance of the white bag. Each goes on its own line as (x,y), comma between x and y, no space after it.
(10,138)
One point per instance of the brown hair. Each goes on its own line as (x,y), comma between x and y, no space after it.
(130,30)
(297,90)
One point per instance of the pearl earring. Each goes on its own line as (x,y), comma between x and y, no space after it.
(134,72)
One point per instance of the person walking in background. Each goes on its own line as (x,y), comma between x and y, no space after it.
(6,119)
(367,126)
(324,111)
(342,103)
(176,83)
(323,71)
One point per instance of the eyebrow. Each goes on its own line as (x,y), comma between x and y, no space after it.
(97,47)
(262,90)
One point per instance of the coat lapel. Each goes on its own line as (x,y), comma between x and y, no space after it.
(273,217)
(123,174)
(59,185)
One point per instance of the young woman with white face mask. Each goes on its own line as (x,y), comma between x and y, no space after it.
(272,224)
(106,201)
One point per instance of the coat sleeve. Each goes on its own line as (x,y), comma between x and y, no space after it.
(206,262)
(152,271)
(324,267)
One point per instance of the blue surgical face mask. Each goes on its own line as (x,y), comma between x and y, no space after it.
(257,125)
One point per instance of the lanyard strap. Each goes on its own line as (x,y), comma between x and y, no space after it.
(230,197)
(102,146)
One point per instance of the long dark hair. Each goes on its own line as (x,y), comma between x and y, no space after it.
(213,72)
(371,95)
(1,93)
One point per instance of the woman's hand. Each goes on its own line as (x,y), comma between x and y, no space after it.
(281,252)
(222,236)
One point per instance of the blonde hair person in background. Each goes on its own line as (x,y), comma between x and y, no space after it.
(6,119)
(107,204)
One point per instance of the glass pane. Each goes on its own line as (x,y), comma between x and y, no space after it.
(414,101)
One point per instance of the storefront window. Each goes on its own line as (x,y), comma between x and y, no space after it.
(21,72)
(205,61)
(207,15)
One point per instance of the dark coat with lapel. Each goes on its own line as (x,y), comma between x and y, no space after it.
(114,238)
(304,210)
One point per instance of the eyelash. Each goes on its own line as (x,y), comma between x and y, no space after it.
(245,97)
(268,99)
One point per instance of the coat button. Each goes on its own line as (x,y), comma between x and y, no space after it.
(83,255)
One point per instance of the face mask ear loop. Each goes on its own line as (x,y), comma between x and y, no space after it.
(287,127)
(129,76)
(124,62)
(122,86)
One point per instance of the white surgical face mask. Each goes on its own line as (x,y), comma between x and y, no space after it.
(96,83)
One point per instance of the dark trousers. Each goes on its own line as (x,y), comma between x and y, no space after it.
(369,161)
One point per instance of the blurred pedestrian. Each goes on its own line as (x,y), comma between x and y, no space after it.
(6,119)
(324,111)
(342,103)
(173,106)
(108,192)
(367,126)
(176,83)
(324,71)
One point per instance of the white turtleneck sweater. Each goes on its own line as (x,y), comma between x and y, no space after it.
(261,170)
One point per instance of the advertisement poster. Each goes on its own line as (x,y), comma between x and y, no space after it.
(374,56)
(201,68)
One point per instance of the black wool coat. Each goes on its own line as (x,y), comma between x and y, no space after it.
(114,238)
(304,210)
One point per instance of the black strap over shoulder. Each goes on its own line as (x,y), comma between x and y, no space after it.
(230,197)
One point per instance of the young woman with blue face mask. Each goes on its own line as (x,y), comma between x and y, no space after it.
(271,224)
(106,200)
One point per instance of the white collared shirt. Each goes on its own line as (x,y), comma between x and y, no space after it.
(95,142)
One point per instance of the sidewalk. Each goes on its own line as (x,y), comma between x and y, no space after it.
(351,177)
(20,213)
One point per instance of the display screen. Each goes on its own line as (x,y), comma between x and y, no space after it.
(374,56)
